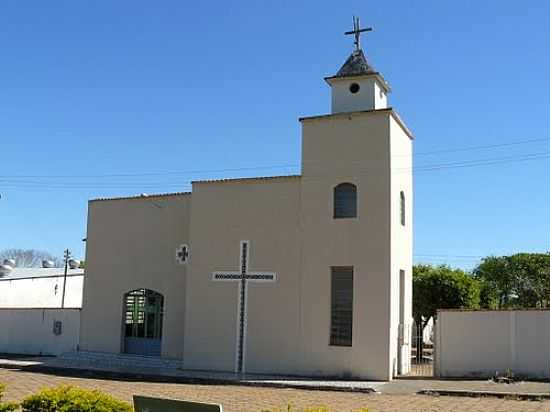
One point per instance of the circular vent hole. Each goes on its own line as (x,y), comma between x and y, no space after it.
(354,88)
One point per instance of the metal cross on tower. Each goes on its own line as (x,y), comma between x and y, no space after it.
(357,30)
(243,276)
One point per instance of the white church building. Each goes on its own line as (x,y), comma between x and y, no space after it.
(307,274)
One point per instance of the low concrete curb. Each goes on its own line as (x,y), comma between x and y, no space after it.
(160,378)
(482,394)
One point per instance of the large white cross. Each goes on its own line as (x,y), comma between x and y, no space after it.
(243,277)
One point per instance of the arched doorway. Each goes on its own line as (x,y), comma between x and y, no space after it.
(143,318)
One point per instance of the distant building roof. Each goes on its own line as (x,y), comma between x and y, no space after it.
(30,273)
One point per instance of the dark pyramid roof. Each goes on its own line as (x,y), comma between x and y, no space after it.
(355,65)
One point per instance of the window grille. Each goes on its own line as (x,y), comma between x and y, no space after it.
(143,314)
(402,207)
(345,201)
(341,325)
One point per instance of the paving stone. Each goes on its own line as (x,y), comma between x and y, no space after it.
(251,399)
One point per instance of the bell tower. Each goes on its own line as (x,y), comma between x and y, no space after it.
(356,224)
(357,86)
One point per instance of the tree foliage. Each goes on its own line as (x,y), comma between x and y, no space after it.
(441,287)
(28,258)
(517,281)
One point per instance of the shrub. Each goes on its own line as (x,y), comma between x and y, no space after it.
(72,399)
(6,407)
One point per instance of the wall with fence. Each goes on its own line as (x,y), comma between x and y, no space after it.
(486,343)
(39,331)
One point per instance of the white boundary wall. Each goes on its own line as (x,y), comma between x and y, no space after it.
(482,343)
(31,331)
(41,292)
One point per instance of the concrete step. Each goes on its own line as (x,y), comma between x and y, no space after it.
(118,360)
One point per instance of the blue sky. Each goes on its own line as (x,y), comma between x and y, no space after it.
(103,98)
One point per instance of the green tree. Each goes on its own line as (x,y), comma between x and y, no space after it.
(497,282)
(440,287)
(520,280)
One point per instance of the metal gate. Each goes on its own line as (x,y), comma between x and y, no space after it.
(143,319)
(422,351)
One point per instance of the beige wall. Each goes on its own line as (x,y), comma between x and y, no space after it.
(401,247)
(131,244)
(347,148)
(482,343)
(290,226)
(266,213)
(371,94)
(30,331)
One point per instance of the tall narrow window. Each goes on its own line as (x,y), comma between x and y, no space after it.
(402,207)
(345,201)
(341,314)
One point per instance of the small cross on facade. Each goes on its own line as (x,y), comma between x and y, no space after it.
(182,254)
(243,276)
(357,30)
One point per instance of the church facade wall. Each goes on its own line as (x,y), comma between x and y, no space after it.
(306,275)
(291,231)
(370,95)
(266,213)
(131,244)
(401,247)
(350,148)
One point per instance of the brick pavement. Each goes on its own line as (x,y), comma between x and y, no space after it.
(240,398)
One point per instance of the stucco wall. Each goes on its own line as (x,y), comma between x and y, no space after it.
(266,213)
(131,244)
(350,148)
(481,343)
(43,292)
(401,247)
(370,95)
(30,331)
(290,225)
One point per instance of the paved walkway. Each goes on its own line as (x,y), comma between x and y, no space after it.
(167,371)
(71,367)
(406,386)
(21,383)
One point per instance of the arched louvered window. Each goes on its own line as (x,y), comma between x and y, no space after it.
(345,201)
(402,207)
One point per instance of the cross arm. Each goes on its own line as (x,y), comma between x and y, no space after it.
(261,277)
(359,31)
(226,276)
